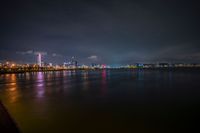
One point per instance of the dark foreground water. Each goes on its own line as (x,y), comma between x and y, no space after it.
(107,101)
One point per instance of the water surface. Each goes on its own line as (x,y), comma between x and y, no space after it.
(104,101)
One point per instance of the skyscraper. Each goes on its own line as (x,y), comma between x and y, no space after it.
(72,63)
(39,59)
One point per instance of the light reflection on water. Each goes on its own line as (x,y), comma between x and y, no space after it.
(104,83)
(85,81)
(134,100)
(40,86)
(12,89)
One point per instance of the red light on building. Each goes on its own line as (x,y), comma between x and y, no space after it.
(103,66)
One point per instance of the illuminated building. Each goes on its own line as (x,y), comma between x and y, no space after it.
(72,63)
(163,65)
(39,59)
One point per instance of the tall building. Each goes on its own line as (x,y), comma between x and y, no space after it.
(39,59)
(72,63)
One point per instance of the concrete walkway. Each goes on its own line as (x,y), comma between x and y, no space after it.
(7,125)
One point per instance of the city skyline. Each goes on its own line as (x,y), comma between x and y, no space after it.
(110,32)
(39,59)
(99,66)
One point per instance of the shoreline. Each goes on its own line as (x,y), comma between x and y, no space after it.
(98,69)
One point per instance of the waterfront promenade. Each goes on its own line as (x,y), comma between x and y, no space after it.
(7,125)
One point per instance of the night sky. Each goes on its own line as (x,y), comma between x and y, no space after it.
(100,31)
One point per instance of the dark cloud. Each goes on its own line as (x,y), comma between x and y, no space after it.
(118,31)
(56,55)
(93,57)
(25,52)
